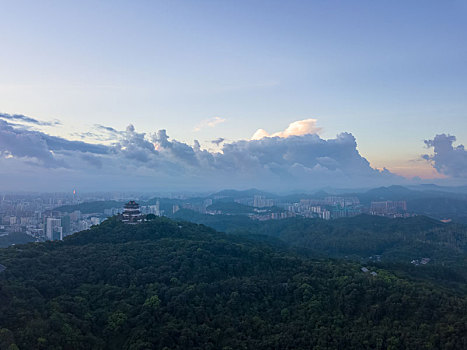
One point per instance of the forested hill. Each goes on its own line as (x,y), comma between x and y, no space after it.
(176,285)
(90,207)
(359,237)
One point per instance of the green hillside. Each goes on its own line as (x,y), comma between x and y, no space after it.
(359,237)
(90,207)
(14,238)
(177,285)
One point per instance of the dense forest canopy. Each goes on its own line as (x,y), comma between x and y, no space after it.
(90,207)
(359,237)
(14,238)
(176,285)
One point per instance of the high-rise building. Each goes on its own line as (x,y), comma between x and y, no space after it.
(325,214)
(54,229)
(388,207)
(262,201)
(95,221)
(83,225)
(158,208)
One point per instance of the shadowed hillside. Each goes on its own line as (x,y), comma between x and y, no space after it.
(177,285)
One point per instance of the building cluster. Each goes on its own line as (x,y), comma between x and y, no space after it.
(392,209)
(49,224)
(327,208)
(422,261)
(36,215)
(262,202)
(264,215)
(29,214)
(331,207)
(200,207)
(152,209)
(366,270)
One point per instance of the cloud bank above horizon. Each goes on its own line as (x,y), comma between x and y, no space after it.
(296,158)
(297,128)
(447,159)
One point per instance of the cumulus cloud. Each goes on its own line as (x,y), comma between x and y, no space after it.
(218,141)
(447,159)
(40,147)
(303,161)
(155,161)
(101,133)
(22,118)
(26,144)
(297,128)
(209,123)
(108,129)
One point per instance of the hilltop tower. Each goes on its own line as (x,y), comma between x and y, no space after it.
(131,213)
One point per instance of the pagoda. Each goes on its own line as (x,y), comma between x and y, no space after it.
(131,213)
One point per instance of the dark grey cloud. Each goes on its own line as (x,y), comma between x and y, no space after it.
(23,118)
(218,141)
(60,144)
(26,144)
(108,129)
(41,147)
(101,133)
(447,159)
(89,135)
(157,161)
(92,160)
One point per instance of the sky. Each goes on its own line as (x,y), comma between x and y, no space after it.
(386,80)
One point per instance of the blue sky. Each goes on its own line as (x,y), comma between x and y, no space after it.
(392,73)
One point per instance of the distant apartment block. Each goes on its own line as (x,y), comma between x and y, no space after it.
(262,202)
(54,230)
(387,208)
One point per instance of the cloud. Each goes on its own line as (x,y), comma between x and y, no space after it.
(155,161)
(447,159)
(101,133)
(92,160)
(302,161)
(22,118)
(297,128)
(108,129)
(60,144)
(209,123)
(40,147)
(25,144)
(218,141)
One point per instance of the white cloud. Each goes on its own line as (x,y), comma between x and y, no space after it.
(297,128)
(141,161)
(447,159)
(209,123)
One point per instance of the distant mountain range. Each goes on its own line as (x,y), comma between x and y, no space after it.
(430,200)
